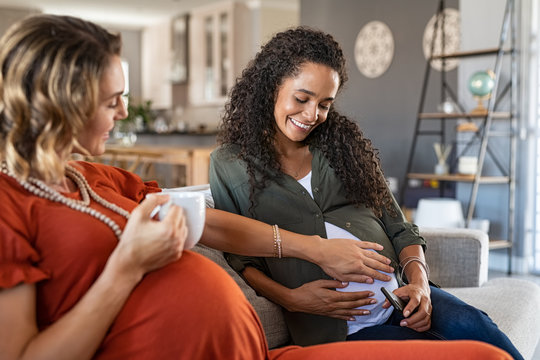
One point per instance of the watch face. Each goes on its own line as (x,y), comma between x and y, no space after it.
(374,49)
(452,38)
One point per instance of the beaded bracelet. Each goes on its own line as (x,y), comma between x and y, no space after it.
(277,241)
(411,259)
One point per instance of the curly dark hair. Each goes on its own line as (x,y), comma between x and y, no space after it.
(248,120)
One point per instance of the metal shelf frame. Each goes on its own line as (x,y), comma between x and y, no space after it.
(484,132)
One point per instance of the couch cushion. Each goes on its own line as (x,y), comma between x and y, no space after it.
(513,305)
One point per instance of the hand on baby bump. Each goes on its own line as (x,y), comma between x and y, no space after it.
(354,261)
(319,297)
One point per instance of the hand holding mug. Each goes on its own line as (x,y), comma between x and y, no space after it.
(193,205)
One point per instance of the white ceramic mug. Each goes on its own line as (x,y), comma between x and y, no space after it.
(194,210)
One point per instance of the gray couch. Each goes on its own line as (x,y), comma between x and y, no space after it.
(458,260)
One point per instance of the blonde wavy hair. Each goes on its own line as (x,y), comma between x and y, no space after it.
(49,86)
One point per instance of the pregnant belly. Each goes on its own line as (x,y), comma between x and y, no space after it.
(190,309)
(378,315)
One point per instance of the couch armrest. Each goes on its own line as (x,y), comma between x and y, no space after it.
(456,257)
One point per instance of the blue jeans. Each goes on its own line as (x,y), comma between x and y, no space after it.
(451,319)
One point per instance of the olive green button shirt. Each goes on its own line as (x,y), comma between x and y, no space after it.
(286,202)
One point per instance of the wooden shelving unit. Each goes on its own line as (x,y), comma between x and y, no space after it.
(500,244)
(436,116)
(482,133)
(460,178)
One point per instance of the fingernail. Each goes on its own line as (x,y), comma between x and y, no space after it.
(406,313)
(352,318)
(365,312)
(403,323)
(371,294)
(391,269)
(373,301)
(344,283)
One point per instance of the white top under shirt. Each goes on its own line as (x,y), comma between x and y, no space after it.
(378,315)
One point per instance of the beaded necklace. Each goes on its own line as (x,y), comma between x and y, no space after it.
(39,188)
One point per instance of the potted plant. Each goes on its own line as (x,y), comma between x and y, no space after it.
(139,114)
(138,119)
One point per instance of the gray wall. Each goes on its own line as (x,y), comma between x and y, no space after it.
(131,52)
(385,107)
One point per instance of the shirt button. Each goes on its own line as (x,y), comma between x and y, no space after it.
(304,192)
(317,215)
(347,224)
(316,189)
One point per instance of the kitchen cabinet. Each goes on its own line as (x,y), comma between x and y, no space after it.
(219,48)
(156,56)
(219,39)
(179,65)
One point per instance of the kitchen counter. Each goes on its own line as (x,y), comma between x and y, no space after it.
(194,139)
(185,165)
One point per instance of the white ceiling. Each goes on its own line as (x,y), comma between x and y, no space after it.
(133,13)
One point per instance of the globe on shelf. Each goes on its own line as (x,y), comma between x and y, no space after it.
(481,85)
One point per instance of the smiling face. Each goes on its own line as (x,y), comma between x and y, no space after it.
(110,109)
(303,101)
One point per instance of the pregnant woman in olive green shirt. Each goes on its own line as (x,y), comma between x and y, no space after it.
(287,157)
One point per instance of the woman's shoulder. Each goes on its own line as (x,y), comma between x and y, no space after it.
(15,200)
(98,170)
(226,165)
(227,156)
(122,181)
(12,193)
(226,152)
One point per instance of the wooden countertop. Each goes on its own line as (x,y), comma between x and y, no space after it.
(195,159)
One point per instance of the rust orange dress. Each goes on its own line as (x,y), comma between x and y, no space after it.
(189,309)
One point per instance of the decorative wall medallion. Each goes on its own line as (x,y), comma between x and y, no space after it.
(452,38)
(374,49)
